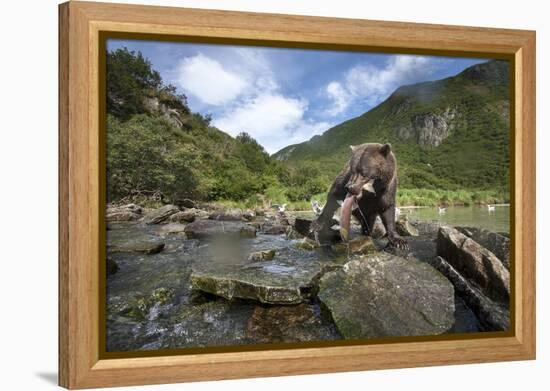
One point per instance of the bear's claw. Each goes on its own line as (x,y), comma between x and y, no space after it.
(399,243)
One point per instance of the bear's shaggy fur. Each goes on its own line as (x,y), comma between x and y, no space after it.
(368,161)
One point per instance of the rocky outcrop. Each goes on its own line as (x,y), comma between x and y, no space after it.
(429,128)
(227,215)
(496,243)
(491,315)
(160,215)
(127,212)
(387,296)
(475,263)
(209,229)
(184,216)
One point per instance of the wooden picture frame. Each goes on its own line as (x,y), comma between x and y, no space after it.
(82,167)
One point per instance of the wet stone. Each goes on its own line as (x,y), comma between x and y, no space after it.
(387,296)
(266,255)
(171,228)
(405,228)
(297,323)
(145,246)
(475,263)
(208,229)
(290,278)
(159,215)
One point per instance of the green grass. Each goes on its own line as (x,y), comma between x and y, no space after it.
(405,197)
(429,197)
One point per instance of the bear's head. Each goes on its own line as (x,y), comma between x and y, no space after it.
(371,161)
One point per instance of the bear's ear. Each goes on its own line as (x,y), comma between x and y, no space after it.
(385,149)
(353,148)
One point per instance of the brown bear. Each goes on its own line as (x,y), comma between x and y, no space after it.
(370,164)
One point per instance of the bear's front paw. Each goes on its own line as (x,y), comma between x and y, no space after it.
(399,243)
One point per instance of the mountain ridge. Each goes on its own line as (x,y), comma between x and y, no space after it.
(451,133)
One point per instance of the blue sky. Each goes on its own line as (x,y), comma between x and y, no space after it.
(285,96)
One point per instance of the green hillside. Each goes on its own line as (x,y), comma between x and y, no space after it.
(450,134)
(158,150)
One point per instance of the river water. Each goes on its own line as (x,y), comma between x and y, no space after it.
(151,304)
(472,216)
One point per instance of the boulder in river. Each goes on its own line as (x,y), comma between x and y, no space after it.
(184,216)
(141,307)
(387,296)
(291,323)
(475,263)
(227,215)
(127,212)
(144,245)
(171,228)
(493,316)
(289,278)
(209,229)
(497,243)
(161,214)
(248,215)
(360,245)
(185,203)
(306,244)
(273,229)
(265,255)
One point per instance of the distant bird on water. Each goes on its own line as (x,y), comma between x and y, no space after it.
(441,210)
(280,208)
(490,208)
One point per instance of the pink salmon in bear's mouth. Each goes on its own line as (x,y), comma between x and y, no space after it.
(347,206)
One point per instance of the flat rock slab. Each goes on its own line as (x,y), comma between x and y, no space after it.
(289,278)
(208,229)
(387,296)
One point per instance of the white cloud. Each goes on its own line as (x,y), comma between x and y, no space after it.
(206,79)
(241,88)
(274,120)
(372,84)
(340,97)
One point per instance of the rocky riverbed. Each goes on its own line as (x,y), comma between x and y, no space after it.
(200,275)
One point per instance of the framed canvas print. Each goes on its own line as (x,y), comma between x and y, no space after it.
(247,195)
